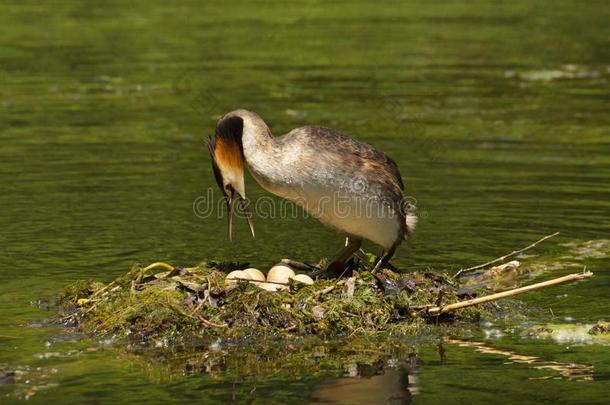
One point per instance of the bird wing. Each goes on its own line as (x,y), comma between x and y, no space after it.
(354,157)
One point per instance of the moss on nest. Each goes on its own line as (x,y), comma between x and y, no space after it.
(188,303)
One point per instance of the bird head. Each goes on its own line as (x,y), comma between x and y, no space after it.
(227,154)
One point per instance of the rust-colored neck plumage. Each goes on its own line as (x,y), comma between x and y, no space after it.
(227,153)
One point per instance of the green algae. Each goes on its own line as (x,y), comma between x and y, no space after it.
(571,333)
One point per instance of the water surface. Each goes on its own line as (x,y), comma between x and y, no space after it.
(497,115)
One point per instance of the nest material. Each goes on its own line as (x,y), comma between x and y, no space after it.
(196,302)
(180,304)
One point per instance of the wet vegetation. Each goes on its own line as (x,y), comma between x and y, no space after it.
(197,302)
(493,111)
(161,304)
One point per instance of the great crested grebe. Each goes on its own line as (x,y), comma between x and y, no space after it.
(348,185)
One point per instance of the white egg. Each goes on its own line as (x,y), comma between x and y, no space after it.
(303,278)
(270,286)
(232,277)
(280,273)
(254,274)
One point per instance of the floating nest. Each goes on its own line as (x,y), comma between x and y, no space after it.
(162,303)
(183,303)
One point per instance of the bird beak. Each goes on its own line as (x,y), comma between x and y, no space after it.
(230,212)
(244,206)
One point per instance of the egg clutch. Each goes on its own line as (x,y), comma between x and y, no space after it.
(278,277)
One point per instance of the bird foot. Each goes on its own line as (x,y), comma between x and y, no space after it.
(295,264)
(332,270)
(340,269)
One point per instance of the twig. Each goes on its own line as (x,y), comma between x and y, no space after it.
(101,290)
(256,281)
(325,291)
(198,307)
(114,283)
(504,294)
(210,323)
(197,318)
(501,258)
(101,298)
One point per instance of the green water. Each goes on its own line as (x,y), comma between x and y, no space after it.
(497,114)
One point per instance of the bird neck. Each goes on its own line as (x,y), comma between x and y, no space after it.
(256,138)
(262,152)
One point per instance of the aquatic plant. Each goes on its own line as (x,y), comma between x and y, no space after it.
(180,304)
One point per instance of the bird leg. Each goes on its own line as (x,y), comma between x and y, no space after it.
(300,265)
(352,244)
(385,258)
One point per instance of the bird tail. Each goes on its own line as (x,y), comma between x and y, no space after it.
(411,222)
(410,218)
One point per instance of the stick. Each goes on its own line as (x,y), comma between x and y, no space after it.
(113,283)
(256,281)
(325,291)
(103,289)
(501,258)
(509,293)
(197,318)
